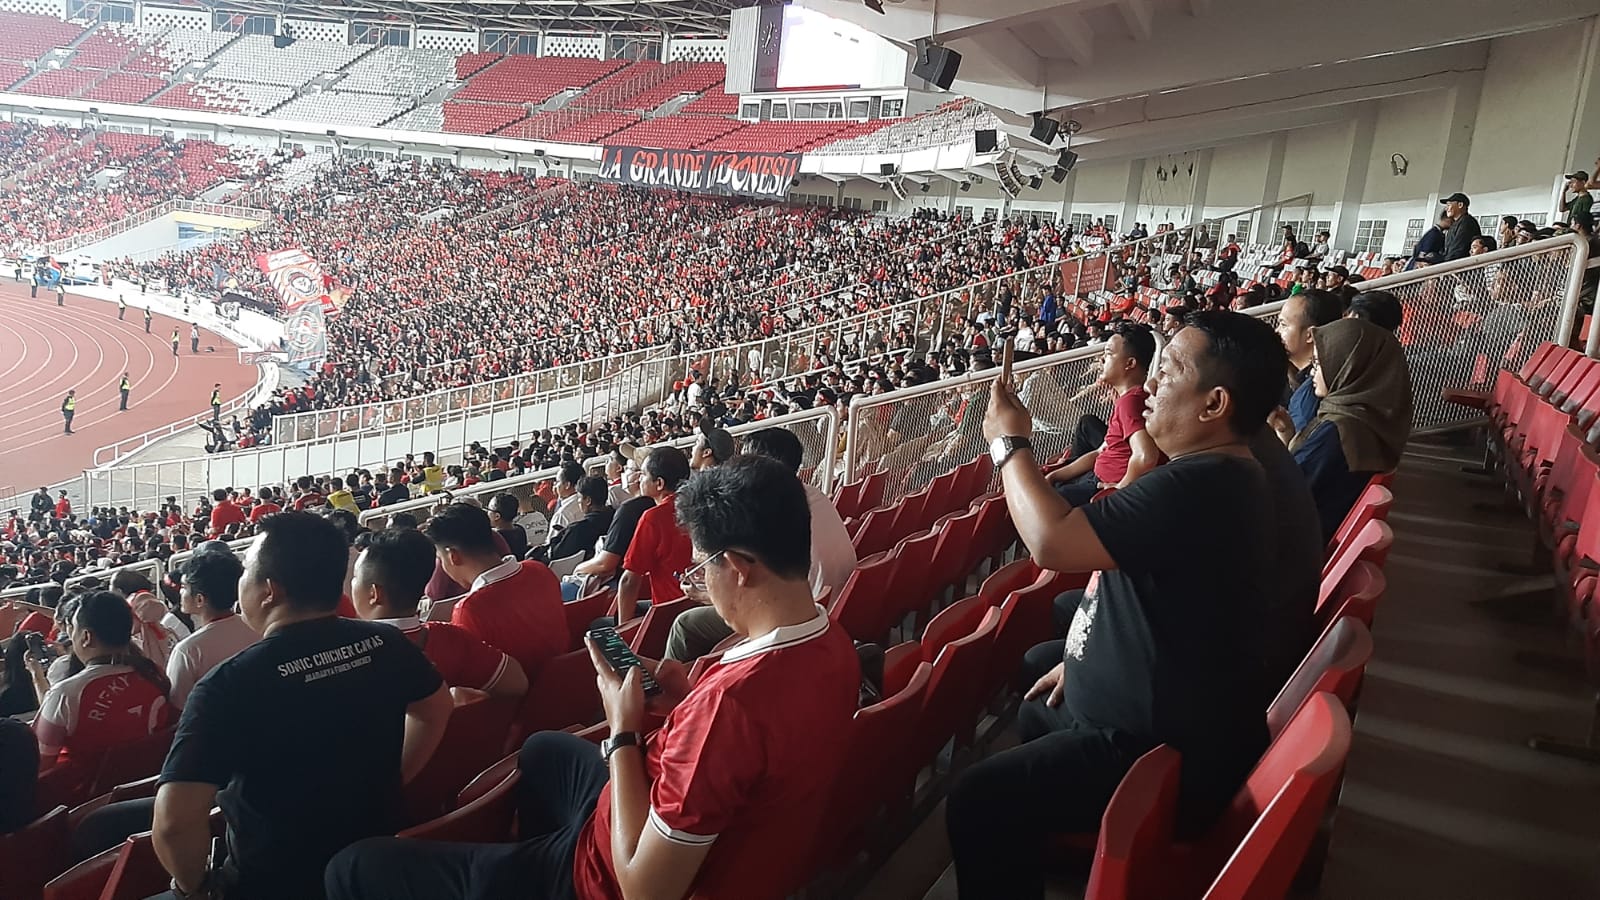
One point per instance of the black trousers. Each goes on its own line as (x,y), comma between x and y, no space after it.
(124,401)
(1062,612)
(562,776)
(121,312)
(1059,780)
(68,417)
(109,826)
(146,326)
(1079,491)
(194,345)
(1088,434)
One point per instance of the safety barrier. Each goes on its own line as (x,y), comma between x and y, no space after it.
(84,239)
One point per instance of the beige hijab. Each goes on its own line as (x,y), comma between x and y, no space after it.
(1369,394)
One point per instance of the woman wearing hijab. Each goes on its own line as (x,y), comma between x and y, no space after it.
(1363,420)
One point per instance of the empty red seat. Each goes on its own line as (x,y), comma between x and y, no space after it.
(564,693)
(486,819)
(1374,503)
(1334,666)
(1371,544)
(472,741)
(34,854)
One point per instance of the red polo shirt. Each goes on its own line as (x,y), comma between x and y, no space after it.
(224,514)
(660,550)
(462,660)
(1127,419)
(744,764)
(516,607)
(262,510)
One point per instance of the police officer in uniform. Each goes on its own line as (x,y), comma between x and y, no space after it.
(174,340)
(122,308)
(126,386)
(69,406)
(216,402)
(61,295)
(194,338)
(147,318)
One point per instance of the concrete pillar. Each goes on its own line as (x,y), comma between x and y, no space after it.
(1460,113)
(1130,200)
(1347,208)
(1068,188)
(1584,144)
(1199,186)
(1262,227)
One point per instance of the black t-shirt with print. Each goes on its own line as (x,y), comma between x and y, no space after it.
(1169,645)
(302,731)
(620,535)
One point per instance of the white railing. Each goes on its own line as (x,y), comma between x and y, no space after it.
(150,214)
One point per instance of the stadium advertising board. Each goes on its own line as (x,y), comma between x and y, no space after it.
(1082,276)
(765,176)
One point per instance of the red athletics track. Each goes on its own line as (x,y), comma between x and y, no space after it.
(46,350)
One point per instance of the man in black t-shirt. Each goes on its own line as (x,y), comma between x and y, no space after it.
(1168,643)
(309,734)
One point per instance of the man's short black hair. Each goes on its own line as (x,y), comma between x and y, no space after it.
(305,553)
(1381,308)
(400,560)
(402,520)
(667,463)
(1140,342)
(128,582)
(504,504)
(753,505)
(595,489)
(779,444)
(219,495)
(571,473)
(1322,307)
(214,576)
(1245,356)
(463,527)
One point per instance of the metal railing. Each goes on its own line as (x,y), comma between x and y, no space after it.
(818,429)
(150,214)
(1529,294)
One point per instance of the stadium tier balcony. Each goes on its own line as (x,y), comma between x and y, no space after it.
(950,123)
(714,102)
(693,79)
(121,87)
(780,137)
(480,118)
(342,108)
(104,48)
(128,146)
(426,117)
(674,132)
(592,129)
(58,82)
(28,37)
(254,59)
(224,96)
(530,79)
(166,50)
(400,71)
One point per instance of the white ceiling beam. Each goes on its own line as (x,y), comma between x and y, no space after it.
(1073,33)
(1002,51)
(1137,16)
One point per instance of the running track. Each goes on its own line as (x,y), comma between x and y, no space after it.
(46,350)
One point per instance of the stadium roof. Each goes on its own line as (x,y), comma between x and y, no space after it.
(676,16)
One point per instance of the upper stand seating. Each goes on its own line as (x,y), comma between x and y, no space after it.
(255,60)
(341,108)
(224,96)
(534,79)
(480,118)
(400,71)
(714,102)
(674,132)
(167,50)
(787,137)
(29,37)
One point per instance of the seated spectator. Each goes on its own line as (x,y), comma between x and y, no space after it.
(712,447)
(391,573)
(119,695)
(442,588)
(1301,316)
(728,797)
(392,488)
(1165,647)
(1381,308)
(566,510)
(224,512)
(17,695)
(1124,451)
(833,556)
(340,495)
(606,563)
(209,595)
(510,605)
(267,506)
(1363,419)
(308,496)
(322,674)
(19,779)
(585,535)
(660,550)
(502,511)
(432,475)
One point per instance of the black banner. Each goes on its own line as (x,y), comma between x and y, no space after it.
(763,175)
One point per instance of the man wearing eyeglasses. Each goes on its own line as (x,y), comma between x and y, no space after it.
(727,798)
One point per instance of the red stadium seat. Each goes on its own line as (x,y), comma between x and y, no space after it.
(563,694)
(137,873)
(472,741)
(1026,618)
(582,612)
(1371,544)
(1374,503)
(1334,666)
(84,881)
(650,640)
(486,819)
(1356,596)
(865,609)
(33,855)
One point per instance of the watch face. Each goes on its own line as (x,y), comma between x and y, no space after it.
(998,450)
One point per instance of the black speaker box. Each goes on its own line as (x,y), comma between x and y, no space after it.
(986,140)
(886,169)
(281,41)
(937,65)
(1044,130)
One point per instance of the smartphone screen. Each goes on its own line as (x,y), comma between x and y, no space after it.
(621,657)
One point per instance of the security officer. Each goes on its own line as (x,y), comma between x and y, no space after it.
(216,402)
(69,406)
(126,386)
(147,318)
(122,308)
(174,340)
(194,338)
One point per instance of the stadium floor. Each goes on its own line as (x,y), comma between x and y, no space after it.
(46,350)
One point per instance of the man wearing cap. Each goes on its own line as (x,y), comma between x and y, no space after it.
(713,447)
(1578,186)
(1463,227)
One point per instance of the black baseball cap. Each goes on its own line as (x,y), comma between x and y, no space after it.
(1457,197)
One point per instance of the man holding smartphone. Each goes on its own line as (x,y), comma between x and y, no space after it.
(725,799)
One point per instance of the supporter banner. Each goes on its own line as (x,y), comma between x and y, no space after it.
(763,175)
(298,278)
(305,335)
(1085,274)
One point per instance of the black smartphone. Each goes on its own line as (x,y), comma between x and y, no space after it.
(621,657)
(35,642)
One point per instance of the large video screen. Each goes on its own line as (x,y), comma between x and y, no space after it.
(819,51)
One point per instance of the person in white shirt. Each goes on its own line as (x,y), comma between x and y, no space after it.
(618,471)
(566,511)
(833,557)
(210,590)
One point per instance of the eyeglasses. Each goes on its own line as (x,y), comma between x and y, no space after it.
(693,581)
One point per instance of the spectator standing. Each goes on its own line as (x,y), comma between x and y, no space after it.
(254,726)
(224,512)
(194,338)
(147,318)
(1430,247)
(216,403)
(728,797)
(174,341)
(1166,645)
(1575,197)
(1463,227)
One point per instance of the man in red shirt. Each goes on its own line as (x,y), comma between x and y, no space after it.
(266,507)
(224,513)
(726,799)
(390,576)
(63,506)
(660,550)
(513,606)
(1125,451)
